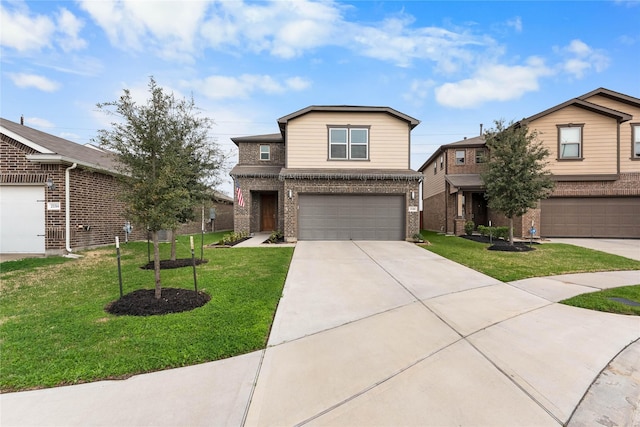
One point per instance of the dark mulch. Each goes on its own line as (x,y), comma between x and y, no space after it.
(228,245)
(502,245)
(166,264)
(144,303)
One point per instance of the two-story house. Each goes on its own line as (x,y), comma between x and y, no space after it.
(594,146)
(331,173)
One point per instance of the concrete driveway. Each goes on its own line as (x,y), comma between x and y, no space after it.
(383,333)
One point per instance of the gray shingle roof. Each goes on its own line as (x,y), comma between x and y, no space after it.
(53,149)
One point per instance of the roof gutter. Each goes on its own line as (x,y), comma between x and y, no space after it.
(67,215)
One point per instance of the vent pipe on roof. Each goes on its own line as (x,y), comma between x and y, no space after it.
(22,119)
(480,129)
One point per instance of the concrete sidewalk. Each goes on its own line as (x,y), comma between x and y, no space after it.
(384,333)
(629,248)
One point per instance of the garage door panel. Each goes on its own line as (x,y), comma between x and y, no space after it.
(591,217)
(351,217)
(22,219)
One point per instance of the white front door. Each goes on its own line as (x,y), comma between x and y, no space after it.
(22,219)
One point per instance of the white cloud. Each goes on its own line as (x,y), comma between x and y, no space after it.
(515,23)
(419,91)
(580,58)
(38,122)
(24,32)
(25,80)
(493,82)
(222,87)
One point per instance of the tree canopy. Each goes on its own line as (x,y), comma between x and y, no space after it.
(166,158)
(515,177)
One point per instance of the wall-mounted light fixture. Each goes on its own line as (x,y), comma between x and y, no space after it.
(50,184)
(290,193)
(413,195)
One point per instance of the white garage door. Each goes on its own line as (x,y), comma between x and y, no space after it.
(351,217)
(22,219)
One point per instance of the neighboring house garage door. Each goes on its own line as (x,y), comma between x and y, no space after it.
(351,217)
(590,217)
(22,221)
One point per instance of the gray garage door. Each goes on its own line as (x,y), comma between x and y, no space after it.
(590,217)
(351,217)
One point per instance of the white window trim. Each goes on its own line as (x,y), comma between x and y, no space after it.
(267,152)
(460,160)
(348,144)
(635,141)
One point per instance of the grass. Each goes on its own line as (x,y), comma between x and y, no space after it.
(54,330)
(600,300)
(547,260)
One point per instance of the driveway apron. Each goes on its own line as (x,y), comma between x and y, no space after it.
(387,333)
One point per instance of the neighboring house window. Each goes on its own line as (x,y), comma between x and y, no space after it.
(570,142)
(350,143)
(435,168)
(635,130)
(441,162)
(459,157)
(480,156)
(265,152)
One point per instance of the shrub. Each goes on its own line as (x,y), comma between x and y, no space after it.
(276,236)
(233,237)
(484,230)
(495,232)
(502,232)
(469,227)
(418,238)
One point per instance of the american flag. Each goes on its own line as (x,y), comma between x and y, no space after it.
(239,195)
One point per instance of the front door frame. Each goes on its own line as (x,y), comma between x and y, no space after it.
(268,211)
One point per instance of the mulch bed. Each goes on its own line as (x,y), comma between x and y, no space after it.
(167,264)
(144,303)
(502,245)
(228,245)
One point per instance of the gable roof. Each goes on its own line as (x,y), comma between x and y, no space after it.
(271,137)
(476,141)
(282,121)
(53,149)
(607,93)
(590,106)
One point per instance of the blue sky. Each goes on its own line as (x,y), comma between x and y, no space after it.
(452,65)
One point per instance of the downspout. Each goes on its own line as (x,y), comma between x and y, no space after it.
(67,202)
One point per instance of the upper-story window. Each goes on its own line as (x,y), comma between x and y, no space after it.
(348,143)
(441,162)
(635,131)
(460,157)
(435,168)
(570,142)
(265,152)
(481,155)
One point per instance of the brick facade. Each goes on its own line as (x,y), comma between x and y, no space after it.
(247,218)
(96,213)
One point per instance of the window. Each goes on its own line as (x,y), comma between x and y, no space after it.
(480,155)
(348,143)
(459,157)
(635,130)
(435,168)
(441,162)
(570,142)
(265,152)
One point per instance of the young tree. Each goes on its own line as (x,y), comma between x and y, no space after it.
(515,177)
(165,155)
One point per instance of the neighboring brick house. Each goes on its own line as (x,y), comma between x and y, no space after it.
(594,146)
(220,219)
(331,173)
(37,171)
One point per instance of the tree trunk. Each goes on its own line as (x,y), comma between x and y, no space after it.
(173,245)
(511,231)
(156,263)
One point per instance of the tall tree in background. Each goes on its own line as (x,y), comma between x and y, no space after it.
(166,156)
(515,177)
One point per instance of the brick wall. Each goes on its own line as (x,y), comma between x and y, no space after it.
(627,185)
(249,154)
(223,221)
(470,165)
(433,212)
(247,218)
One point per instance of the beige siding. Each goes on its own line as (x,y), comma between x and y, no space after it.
(599,141)
(433,184)
(626,163)
(307,141)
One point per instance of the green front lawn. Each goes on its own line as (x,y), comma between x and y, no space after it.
(547,260)
(54,330)
(600,300)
